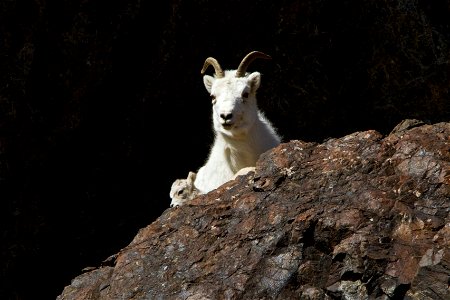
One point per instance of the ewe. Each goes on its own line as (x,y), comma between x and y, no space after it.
(242,132)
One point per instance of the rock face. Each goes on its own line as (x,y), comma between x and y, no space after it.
(358,217)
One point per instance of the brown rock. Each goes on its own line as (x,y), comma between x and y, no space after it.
(359,217)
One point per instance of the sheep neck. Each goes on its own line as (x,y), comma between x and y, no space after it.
(242,150)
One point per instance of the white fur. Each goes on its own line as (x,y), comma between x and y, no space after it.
(244,171)
(242,132)
(183,190)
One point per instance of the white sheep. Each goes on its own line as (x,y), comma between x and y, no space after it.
(183,190)
(242,132)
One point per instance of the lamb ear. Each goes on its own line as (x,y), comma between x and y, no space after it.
(191,177)
(208,82)
(254,79)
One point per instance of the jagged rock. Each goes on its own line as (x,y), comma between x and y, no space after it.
(358,217)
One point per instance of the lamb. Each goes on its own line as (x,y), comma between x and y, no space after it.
(183,190)
(242,132)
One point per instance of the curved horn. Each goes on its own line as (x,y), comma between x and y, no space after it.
(240,72)
(210,61)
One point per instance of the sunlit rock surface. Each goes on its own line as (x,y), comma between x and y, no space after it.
(358,217)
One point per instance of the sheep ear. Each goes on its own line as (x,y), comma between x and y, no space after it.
(191,177)
(254,79)
(208,82)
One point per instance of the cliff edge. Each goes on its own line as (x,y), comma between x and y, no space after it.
(364,216)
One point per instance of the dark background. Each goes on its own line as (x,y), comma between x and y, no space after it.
(102,105)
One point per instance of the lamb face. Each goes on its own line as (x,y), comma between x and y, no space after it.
(183,190)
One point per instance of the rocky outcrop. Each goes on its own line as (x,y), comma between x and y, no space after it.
(358,217)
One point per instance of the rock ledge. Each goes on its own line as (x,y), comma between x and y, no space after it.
(359,217)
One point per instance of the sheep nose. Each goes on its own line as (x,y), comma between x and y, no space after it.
(226,117)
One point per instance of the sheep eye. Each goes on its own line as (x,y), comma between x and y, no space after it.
(180,192)
(213,99)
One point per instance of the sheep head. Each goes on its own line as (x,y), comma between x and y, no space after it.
(233,95)
(183,190)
